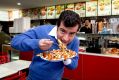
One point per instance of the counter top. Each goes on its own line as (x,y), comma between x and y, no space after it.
(103,55)
(13,67)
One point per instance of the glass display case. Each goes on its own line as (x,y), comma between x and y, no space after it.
(99,43)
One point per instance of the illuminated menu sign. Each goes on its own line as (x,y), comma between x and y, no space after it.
(115,7)
(69,7)
(43,12)
(59,9)
(51,12)
(104,7)
(80,8)
(91,8)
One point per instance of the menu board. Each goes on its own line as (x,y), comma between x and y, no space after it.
(91,8)
(59,9)
(69,7)
(30,13)
(43,11)
(24,12)
(115,7)
(27,13)
(35,13)
(51,12)
(80,8)
(104,7)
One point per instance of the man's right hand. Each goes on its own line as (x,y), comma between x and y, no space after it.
(45,44)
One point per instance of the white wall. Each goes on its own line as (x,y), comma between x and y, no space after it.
(4,16)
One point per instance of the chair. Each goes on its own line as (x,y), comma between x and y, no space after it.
(4,58)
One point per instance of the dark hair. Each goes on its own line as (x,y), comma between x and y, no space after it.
(69,19)
(88,20)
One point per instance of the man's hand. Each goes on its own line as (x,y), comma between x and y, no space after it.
(45,44)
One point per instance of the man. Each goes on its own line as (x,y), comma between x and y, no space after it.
(4,38)
(87,28)
(42,38)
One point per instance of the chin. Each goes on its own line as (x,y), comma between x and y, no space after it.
(66,43)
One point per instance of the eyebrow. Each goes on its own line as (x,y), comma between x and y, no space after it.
(62,29)
(69,32)
(72,32)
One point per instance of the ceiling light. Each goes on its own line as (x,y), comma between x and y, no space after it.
(18,3)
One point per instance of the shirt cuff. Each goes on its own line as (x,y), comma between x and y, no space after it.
(67,62)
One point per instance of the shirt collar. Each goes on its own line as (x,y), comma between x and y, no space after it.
(53,32)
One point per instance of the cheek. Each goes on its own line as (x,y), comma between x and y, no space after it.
(71,38)
(59,35)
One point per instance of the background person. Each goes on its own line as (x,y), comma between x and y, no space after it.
(4,38)
(87,28)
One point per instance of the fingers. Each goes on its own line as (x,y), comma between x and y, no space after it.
(47,41)
(45,44)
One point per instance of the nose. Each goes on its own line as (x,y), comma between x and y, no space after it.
(66,38)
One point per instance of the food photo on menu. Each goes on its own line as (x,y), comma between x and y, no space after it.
(35,13)
(69,7)
(91,8)
(43,11)
(51,12)
(59,9)
(80,8)
(115,7)
(104,7)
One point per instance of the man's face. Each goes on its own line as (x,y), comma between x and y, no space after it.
(86,22)
(66,34)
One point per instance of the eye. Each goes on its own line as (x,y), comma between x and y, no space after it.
(72,34)
(62,30)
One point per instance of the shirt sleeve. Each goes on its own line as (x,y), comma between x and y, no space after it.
(74,61)
(25,41)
